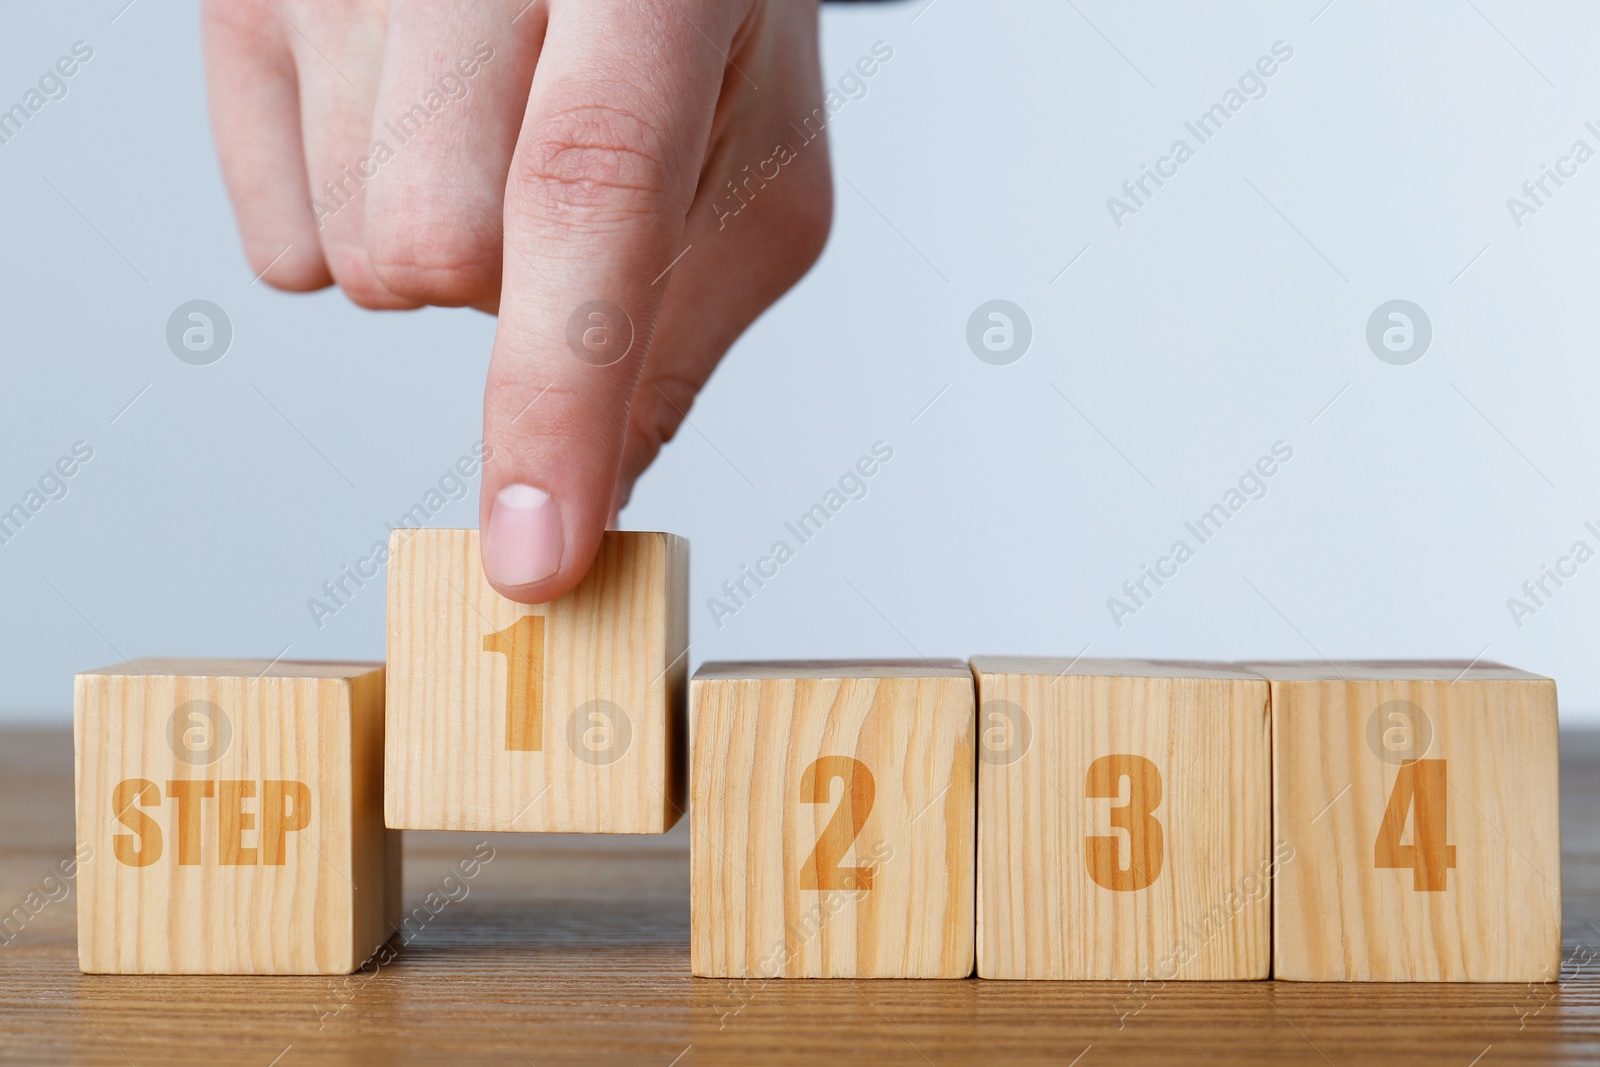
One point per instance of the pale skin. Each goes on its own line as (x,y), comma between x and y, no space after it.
(586,152)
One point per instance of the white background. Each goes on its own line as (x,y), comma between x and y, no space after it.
(1223,317)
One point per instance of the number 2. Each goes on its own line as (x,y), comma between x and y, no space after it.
(522,644)
(1421,788)
(1146,847)
(822,870)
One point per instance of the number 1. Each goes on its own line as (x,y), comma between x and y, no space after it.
(522,644)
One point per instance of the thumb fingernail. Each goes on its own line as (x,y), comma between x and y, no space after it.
(523,542)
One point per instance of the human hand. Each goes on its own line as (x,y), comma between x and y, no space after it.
(551,162)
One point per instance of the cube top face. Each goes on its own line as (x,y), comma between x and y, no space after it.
(1422,814)
(1124,823)
(832,821)
(1054,666)
(830,669)
(1391,670)
(561,717)
(238,668)
(227,817)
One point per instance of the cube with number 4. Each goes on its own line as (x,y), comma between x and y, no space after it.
(1420,803)
(832,821)
(561,717)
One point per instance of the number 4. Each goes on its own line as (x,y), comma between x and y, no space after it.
(1420,787)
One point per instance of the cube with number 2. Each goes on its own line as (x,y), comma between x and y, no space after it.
(832,821)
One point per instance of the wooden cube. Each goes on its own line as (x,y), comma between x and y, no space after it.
(230,813)
(1123,821)
(568,716)
(1420,803)
(832,820)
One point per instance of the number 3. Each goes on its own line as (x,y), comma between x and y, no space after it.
(822,870)
(1146,847)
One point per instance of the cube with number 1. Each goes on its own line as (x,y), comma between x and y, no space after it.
(561,717)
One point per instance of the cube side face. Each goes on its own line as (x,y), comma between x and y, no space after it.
(833,828)
(1124,828)
(215,818)
(1359,769)
(375,863)
(675,626)
(559,717)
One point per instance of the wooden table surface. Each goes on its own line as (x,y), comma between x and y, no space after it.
(576,949)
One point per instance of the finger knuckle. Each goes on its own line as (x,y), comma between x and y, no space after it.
(790,220)
(352,270)
(558,413)
(591,159)
(663,404)
(244,18)
(291,269)
(808,223)
(434,260)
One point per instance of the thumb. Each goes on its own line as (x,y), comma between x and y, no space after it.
(604,172)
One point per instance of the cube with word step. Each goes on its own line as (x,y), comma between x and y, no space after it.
(1123,822)
(230,818)
(832,825)
(564,717)
(1420,803)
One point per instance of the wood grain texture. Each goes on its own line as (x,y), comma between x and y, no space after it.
(573,949)
(1063,891)
(1495,915)
(253,840)
(603,727)
(832,821)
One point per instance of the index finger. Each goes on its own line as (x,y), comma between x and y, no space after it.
(605,170)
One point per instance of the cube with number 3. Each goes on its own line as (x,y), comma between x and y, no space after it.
(1123,820)
(1421,806)
(561,717)
(833,820)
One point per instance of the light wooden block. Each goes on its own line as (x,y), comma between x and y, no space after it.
(564,717)
(231,813)
(832,820)
(1366,753)
(1123,820)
